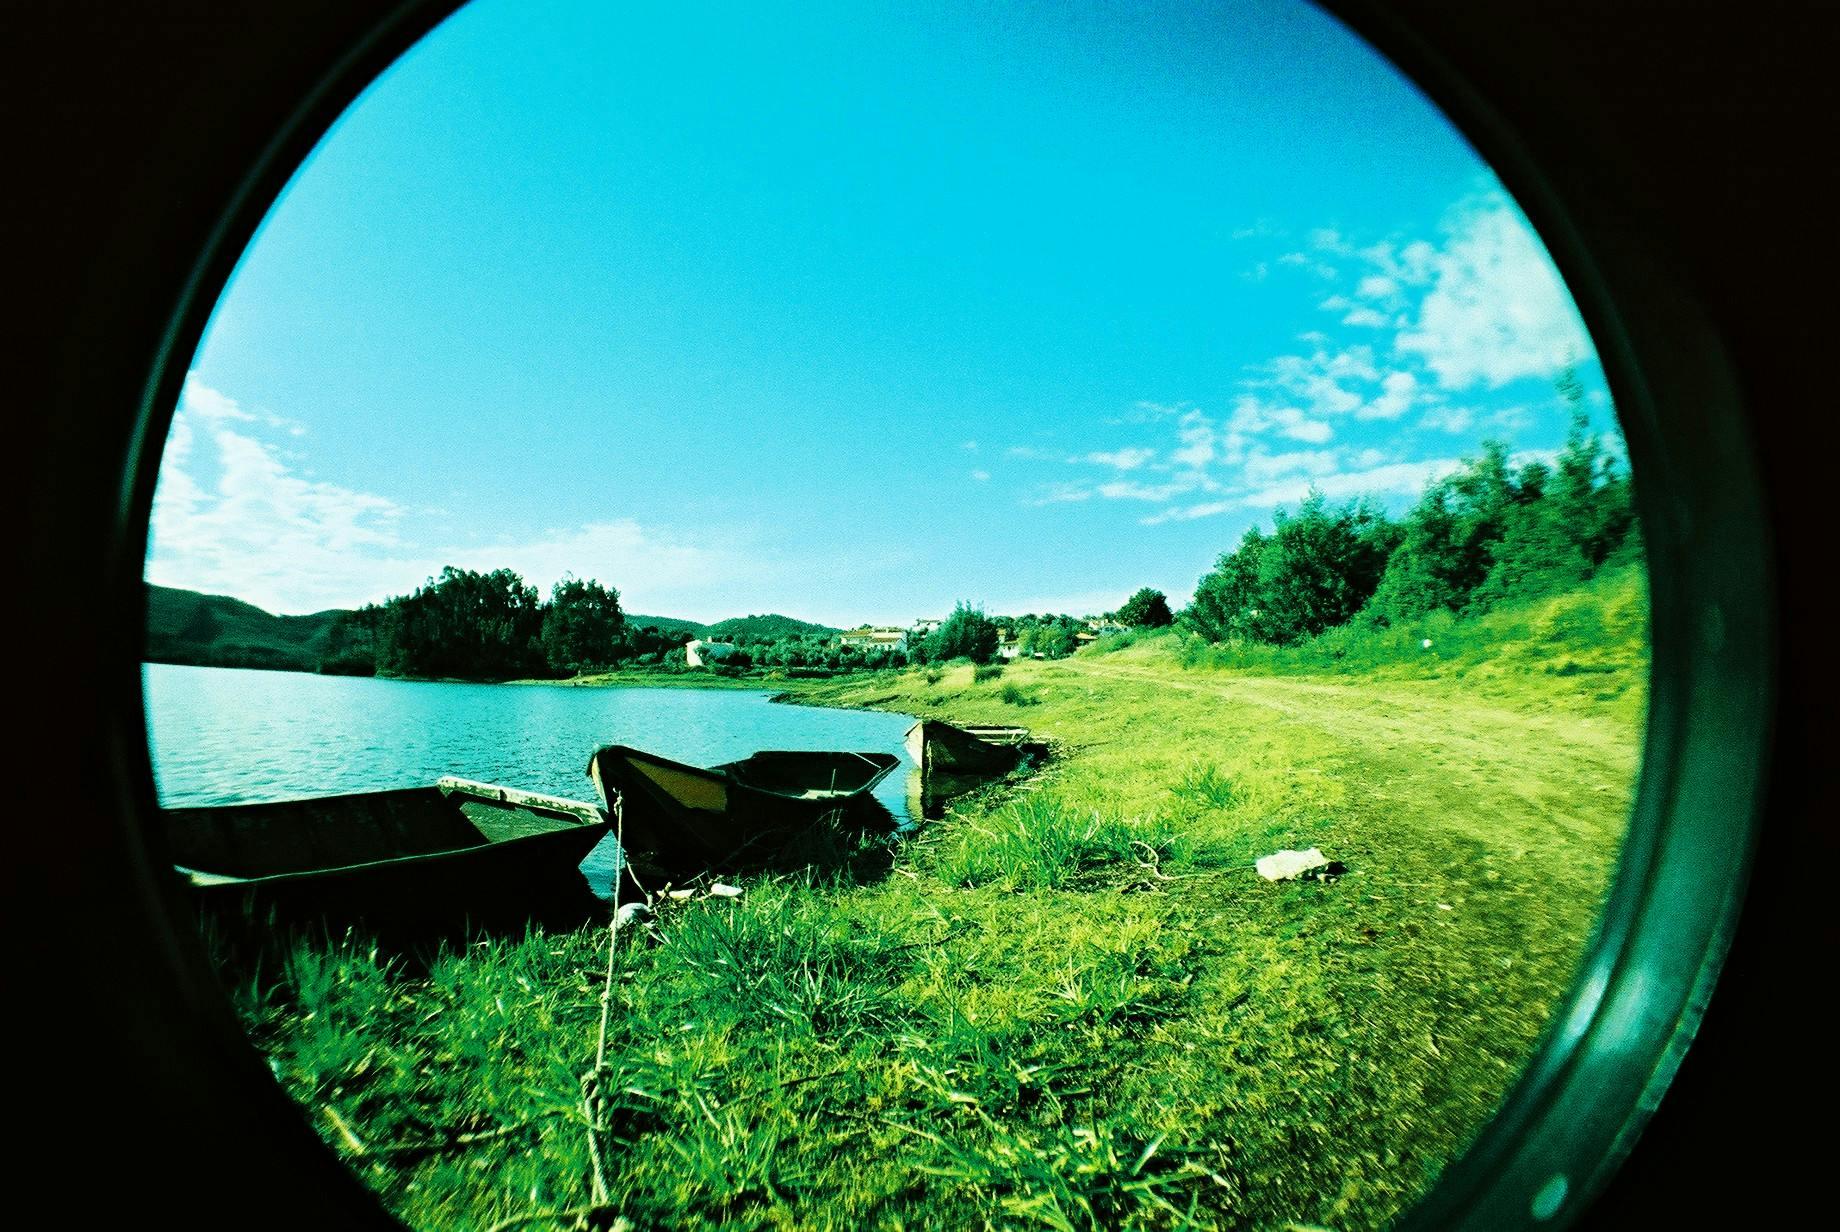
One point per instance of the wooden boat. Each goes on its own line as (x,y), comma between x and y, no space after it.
(939,748)
(458,850)
(689,816)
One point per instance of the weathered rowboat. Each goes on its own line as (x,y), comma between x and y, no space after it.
(458,850)
(940,748)
(691,816)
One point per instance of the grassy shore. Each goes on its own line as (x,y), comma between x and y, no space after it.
(1071,1004)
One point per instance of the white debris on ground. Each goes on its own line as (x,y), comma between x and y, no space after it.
(1285,865)
(717,890)
(633,913)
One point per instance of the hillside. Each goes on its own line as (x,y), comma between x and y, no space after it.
(184,626)
(666,624)
(764,628)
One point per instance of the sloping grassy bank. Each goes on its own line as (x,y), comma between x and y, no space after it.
(1071,1004)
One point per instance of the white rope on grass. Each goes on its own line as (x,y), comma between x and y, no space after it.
(595,1102)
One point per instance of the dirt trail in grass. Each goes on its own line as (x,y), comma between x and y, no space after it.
(1367,714)
(1510,767)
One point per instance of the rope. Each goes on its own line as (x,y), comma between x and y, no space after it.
(594,1082)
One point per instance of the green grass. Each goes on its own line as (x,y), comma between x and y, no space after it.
(1071,1003)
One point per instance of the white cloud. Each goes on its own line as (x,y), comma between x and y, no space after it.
(1497,310)
(1060,494)
(262,532)
(1287,478)
(1407,478)
(1189,513)
(1264,467)
(1196,432)
(1156,493)
(1377,286)
(1447,419)
(981,476)
(1123,459)
(266,534)
(1329,240)
(1396,393)
(1295,425)
(199,399)
(970,445)
(1366,318)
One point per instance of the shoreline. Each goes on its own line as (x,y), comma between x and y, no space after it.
(780,685)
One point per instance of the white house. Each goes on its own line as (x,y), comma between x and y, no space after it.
(701,653)
(867,638)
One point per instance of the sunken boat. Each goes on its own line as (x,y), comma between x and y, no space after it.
(940,748)
(739,812)
(455,852)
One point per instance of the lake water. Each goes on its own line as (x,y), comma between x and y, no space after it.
(235,736)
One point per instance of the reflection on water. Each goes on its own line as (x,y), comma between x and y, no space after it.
(928,796)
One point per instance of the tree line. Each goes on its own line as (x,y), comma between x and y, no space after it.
(490,626)
(1485,534)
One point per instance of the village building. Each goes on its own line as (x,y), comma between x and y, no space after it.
(700,653)
(867,638)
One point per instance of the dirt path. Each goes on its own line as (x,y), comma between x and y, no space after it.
(1403,717)
(1500,771)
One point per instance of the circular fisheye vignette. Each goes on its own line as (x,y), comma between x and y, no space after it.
(1645,979)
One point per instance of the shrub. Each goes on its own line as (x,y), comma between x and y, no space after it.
(986,671)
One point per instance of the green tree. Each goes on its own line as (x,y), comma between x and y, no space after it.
(482,626)
(1147,609)
(581,625)
(351,643)
(1424,573)
(1226,600)
(966,634)
(1319,567)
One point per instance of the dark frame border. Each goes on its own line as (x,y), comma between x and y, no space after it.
(1666,347)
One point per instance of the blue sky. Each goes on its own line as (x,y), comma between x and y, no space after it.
(853,311)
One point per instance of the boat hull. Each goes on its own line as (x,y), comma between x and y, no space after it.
(454,855)
(738,814)
(942,748)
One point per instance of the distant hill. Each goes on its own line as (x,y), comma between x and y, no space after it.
(666,624)
(184,626)
(766,628)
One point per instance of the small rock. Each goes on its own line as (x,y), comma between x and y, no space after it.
(633,913)
(719,890)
